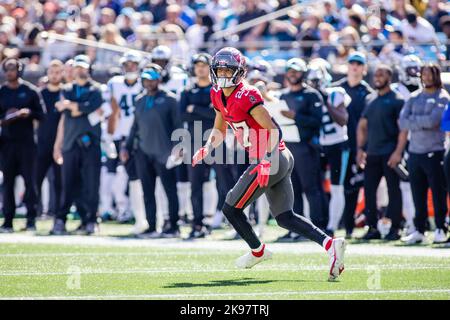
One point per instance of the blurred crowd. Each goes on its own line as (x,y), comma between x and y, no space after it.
(329,29)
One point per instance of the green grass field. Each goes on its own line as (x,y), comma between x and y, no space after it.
(113,266)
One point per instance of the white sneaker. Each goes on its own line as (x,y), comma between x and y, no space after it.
(336,253)
(139,228)
(440,236)
(409,229)
(217,219)
(414,238)
(248,260)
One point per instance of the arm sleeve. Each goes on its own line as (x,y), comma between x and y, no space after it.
(183,104)
(406,120)
(132,136)
(314,118)
(175,114)
(445,124)
(93,103)
(37,107)
(432,120)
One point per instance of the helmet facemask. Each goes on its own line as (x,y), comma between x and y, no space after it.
(227,82)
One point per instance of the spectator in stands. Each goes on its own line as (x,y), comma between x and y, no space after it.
(393,51)
(110,35)
(55,49)
(388,22)
(107,16)
(250,11)
(374,40)
(200,32)
(286,30)
(399,10)
(417,30)
(348,42)
(356,20)
(156,7)
(327,46)
(49,15)
(435,12)
(331,16)
(127,28)
(445,25)
(173,16)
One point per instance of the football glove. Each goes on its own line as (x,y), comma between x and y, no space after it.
(262,170)
(201,154)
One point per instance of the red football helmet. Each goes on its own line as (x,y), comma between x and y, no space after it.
(230,58)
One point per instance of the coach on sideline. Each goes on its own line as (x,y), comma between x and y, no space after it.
(81,146)
(20,104)
(156,117)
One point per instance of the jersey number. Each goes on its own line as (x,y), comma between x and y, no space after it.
(245,132)
(124,104)
(328,126)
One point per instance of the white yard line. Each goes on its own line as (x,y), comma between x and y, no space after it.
(220,245)
(341,293)
(163,270)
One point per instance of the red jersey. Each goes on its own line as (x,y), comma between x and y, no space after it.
(235,110)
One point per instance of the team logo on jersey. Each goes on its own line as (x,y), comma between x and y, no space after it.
(252,99)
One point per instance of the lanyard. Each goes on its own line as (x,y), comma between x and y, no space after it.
(149,102)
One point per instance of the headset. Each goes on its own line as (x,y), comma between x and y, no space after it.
(19,65)
(199,57)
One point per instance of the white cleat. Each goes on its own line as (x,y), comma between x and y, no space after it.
(248,260)
(336,253)
(440,236)
(414,238)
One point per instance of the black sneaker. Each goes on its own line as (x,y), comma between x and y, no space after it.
(197,233)
(59,228)
(4,229)
(393,235)
(30,226)
(171,233)
(91,228)
(149,234)
(372,234)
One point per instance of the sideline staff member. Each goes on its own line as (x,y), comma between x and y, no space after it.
(81,146)
(20,104)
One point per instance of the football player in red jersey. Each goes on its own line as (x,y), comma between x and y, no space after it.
(241,106)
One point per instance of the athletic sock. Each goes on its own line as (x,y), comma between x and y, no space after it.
(327,242)
(258,252)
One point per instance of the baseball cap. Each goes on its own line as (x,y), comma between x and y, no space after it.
(357,57)
(82,61)
(202,57)
(150,74)
(297,64)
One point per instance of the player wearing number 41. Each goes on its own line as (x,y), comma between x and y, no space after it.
(333,135)
(123,90)
(240,106)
